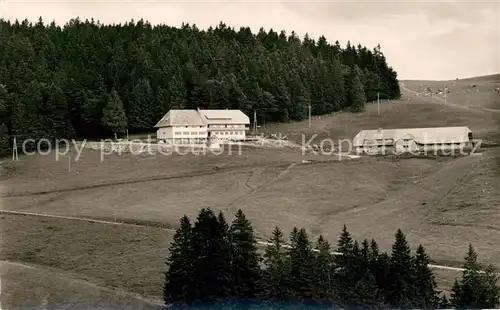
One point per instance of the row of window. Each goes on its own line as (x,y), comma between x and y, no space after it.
(211,126)
(228,133)
(226,126)
(178,127)
(217,133)
(187,133)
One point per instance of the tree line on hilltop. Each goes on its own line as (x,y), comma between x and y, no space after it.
(87,79)
(214,263)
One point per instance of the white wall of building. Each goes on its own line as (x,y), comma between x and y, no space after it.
(182,134)
(164,133)
(407,147)
(228,132)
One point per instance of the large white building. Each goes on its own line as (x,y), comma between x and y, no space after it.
(197,126)
(412,140)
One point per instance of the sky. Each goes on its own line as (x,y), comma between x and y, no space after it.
(428,40)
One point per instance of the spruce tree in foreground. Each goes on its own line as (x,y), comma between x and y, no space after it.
(323,271)
(301,265)
(211,270)
(223,258)
(379,267)
(245,269)
(179,276)
(365,290)
(343,263)
(401,290)
(427,295)
(476,289)
(345,246)
(276,275)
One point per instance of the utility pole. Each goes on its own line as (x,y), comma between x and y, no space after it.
(445,95)
(15,155)
(254,121)
(378,103)
(309,116)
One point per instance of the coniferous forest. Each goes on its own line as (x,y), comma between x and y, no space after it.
(86,79)
(212,263)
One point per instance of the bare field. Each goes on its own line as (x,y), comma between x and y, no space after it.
(31,286)
(36,173)
(461,92)
(373,196)
(113,256)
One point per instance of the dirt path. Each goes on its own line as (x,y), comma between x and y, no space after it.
(137,180)
(260,242)
(258,189)
(52,272)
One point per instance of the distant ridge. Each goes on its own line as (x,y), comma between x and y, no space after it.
(491,77)
(482,78)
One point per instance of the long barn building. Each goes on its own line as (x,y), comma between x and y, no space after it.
(412,140)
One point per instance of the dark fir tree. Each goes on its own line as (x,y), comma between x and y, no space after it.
(345,243)
(323,271)
(276,274)
(222,258)
(114,117)
(343,277)
(365,289)
(179,277)
(5,146)
(29,107)
(245,269)
(356,94)
(379,266)
(294,235)
(4,105)
(141,106)
(57,121)
(20,130)
(427,296)
(301,265)
(211,268)
(401,290)
(476,289)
